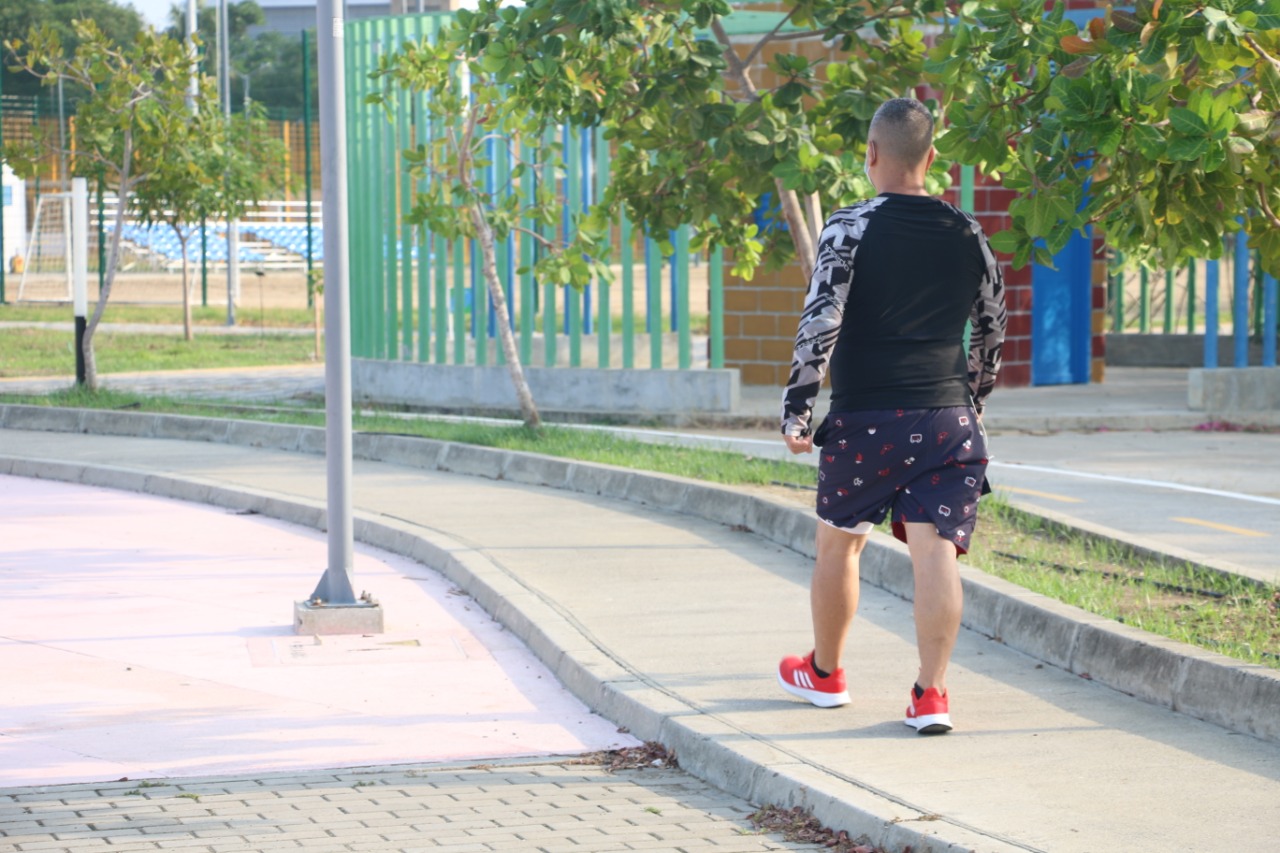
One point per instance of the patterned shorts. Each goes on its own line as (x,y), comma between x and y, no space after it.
(924,465)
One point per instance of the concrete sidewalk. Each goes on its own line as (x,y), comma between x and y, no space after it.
(654,616)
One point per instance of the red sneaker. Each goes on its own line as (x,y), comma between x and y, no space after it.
(929,715)
(797,677)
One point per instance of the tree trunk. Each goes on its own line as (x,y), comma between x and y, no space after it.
(113,260)
(186,290)
(489,265)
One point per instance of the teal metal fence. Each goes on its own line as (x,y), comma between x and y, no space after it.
(416,296)
(1194,300)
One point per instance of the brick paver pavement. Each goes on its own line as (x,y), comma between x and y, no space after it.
(540,806)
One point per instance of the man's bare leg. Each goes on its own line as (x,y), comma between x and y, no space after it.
(939,600)
(833,594)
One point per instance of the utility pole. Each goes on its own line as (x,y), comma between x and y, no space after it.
(333,607)
(233,227)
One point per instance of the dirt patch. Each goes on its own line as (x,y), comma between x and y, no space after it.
(273,289)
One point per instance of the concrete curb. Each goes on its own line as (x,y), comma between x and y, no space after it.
(1174,675)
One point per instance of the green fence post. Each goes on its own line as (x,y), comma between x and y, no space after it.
(1168,302)
(459,305)
(966,188)
(421,133)
(548,184)
(1191,297)
(1144,302)
(715,306)
(627,245)
(653,263)
(604,307)
(357,197)
(527,306)
(681,307)
(441,249)
(572,206)
(406,244)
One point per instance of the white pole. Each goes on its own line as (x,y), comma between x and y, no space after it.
(233,230)
(193,88)
(79,238)
(335,585)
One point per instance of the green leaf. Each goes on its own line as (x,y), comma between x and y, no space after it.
(1188,149)
(1188,123)
(1005,242)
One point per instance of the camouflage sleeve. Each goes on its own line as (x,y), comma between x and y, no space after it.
(820,322)
(988,319)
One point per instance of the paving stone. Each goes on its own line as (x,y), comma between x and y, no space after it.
(545,807)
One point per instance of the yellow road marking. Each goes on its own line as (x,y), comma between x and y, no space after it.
(1062,498)
(1243,531)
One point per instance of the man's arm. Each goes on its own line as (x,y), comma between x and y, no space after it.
(819,324)
(988,319)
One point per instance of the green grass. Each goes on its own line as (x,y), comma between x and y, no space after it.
(1230,615)
(45,352)
(246,315)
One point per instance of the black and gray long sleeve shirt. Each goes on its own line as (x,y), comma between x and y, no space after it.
(896,278)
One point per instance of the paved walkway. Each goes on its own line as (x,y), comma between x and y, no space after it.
(680,620)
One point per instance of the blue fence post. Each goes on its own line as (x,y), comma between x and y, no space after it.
(1269,321)
(1210,314)
(1240,299)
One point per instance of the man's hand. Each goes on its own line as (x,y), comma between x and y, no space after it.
(799,445)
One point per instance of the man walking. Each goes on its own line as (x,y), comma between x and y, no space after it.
(896,278)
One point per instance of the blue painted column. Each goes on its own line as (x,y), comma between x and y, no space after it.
(1240,300)
(1210,314)
(1269,321)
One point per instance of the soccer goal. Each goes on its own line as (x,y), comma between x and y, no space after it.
(47,261)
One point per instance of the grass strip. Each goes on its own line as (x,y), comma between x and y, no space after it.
(33,353)
(1234,616)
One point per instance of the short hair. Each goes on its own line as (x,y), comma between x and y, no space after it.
(903,127)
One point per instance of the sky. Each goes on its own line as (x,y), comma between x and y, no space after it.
(154,12)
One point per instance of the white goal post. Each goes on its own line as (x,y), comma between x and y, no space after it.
(48,259)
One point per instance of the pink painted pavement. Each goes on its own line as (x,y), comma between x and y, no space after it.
(142,637)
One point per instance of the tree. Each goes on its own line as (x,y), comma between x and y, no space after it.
(1161,124)
(136,107)
(121,24)
(214,169)
(473,109)
(700,138)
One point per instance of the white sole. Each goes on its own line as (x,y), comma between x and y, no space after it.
(930,724)
(816,697)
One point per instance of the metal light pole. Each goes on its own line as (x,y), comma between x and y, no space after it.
(233,227)
(319,614)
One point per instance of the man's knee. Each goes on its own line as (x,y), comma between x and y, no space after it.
(838,542)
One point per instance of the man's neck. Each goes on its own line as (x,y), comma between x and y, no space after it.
(903,187)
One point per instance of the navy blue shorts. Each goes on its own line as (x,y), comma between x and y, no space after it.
(924,465)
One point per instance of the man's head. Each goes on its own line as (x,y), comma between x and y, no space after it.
(899,144)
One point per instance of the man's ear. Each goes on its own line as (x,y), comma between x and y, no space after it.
(928,162)
(873,153)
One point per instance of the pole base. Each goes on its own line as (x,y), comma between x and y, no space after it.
(359,618)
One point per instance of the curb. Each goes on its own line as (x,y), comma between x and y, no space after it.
(1174,675)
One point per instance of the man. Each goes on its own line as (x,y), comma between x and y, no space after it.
(896,278)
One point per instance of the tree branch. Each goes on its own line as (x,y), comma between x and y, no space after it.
(772,34)
(1257,48)
(1266,208)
